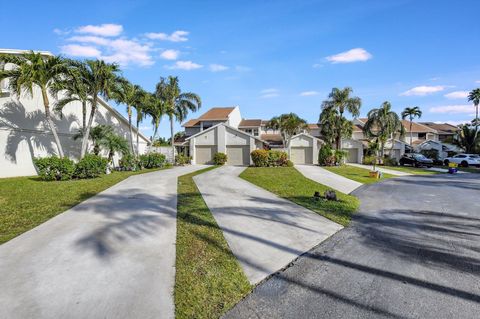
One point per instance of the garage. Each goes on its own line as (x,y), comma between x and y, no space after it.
(352,155)
(238,155)
(301,155)
(204,154)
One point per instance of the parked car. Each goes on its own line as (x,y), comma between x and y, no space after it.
(415,159)
(464,160)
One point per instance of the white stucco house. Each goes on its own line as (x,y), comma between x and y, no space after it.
(303,148)
(25,135)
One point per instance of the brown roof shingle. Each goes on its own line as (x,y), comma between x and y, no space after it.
(313,126)
(191,123)
(217,113)
(250,123)
(416,127)
(443,128)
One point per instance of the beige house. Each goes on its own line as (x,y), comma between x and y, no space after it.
(303,149)
(24,134)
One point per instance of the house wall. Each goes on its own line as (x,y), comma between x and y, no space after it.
(306,141)
(189,131)
(351,144)
(25,135)
(234,118)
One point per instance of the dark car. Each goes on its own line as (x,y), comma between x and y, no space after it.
(416,160)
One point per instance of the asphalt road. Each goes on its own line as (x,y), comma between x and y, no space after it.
(413,251)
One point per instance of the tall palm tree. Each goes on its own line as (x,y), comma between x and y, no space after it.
(130,95)
(382,123)
(338,103)
(474,96)
(100,78)
(177,104)
(411,113)
(156,110)
(34,70)
(289,125)
(468,139)
(141,110)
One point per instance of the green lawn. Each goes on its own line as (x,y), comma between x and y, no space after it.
(26,202)
(209,280)
(356,173)
(412,170)
(290,184)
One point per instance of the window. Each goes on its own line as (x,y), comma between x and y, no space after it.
(422,136)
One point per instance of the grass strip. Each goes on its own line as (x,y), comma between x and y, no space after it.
(290,184)
(209,280)
(358,174)
(26,202)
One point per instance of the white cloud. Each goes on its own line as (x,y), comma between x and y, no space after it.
(177,36)
(269,93)
(218,67)
(453,109)
(81,51)
(105,30)
(90,39)
(60,31)
(353,55)
(184,65)
(457,95)
(170,54)
(423,90)
(309,93)
(477,81)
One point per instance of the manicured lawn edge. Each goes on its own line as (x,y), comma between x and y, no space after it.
(412,170)
(358,174)
(209,280)
(26,202)
(290,184)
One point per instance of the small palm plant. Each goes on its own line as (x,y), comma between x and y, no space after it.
(96,135)
(474,96)
(114,143)
(411,113)
(35,71)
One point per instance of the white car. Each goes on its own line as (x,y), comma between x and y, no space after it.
(464,160)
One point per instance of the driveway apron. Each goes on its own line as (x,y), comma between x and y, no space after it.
(264,231)
(112,256)
(322,176)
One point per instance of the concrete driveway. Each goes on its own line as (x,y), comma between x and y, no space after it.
(264,232)
(413,251)
(332,180)
(112,256)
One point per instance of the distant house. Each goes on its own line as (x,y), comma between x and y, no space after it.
(24,134)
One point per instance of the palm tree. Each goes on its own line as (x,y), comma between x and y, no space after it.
(468,139)
(100,78)
(340,101)
(155,107)
(96,135)
(411,113)
(130,95)
(382,123)
(74,89)
(142,109)
(289,125)
(177,104)
(474,96)
(35,70)
(114,143)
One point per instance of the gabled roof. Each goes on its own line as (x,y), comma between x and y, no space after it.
(442,128)
(416,127)
(272,138)
(217,113)
(191,123)
(250,123)
(227,126)
(307,135)
(313,126)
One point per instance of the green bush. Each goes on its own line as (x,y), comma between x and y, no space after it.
(219,158)
(325,155)
(369,160)
(289,163)
(272,158)
(152,160)
(182,159)
(431,154)
(259,158)
(54,168)
(128,162)
(388,161)
(90,166)
(340,156)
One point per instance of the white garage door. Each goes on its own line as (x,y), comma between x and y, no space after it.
(204,154)
(238,155)
(352,155)
(301,155)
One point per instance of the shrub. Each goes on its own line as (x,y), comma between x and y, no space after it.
(325,155)
(91,166)
(432,154)
(289,163)
(369,160)
(339,156)
(389,161)
(54,168)
(128,162)
(182,159)
(152,160)
(219,158)
(259,158)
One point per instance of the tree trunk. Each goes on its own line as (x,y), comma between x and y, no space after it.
(84,116)
(411,136)
(129,110)
(476,121)
(171,133)
(87,130)
(46,104)
(138,147)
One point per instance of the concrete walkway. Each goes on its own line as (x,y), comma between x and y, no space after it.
(332,180)
(112,256)
(264,232)
(381,169)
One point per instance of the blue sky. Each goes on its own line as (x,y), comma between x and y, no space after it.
(272,57)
